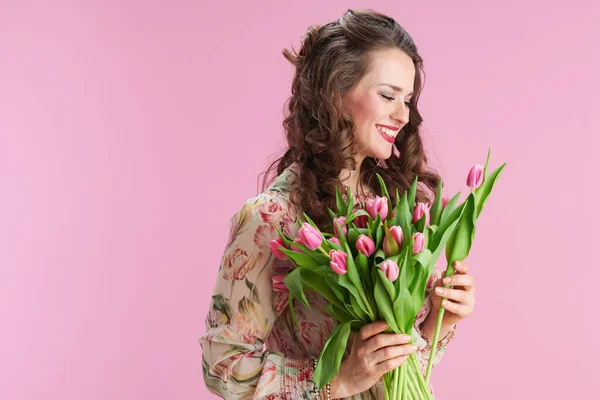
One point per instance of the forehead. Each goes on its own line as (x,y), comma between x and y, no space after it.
(391,66)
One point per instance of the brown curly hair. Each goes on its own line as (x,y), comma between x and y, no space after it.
(320,135)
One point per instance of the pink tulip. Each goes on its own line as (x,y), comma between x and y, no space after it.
(397,234)
(475,177)
(361,221)
(365,245)
(340,221)
(275,245)
(419,241)
(420,209)
(445,201)
(310,236)
(378,205)
(278,285)
(338,261)
(335,240)
(295,248)
(390,269)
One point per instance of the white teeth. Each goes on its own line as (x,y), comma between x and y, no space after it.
(387,131)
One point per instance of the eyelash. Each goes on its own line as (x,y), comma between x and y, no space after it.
(408,103)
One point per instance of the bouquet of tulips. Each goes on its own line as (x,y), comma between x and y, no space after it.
(376,265)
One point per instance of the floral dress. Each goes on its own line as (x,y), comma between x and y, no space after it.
(252,348)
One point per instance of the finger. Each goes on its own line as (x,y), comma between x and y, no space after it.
(458,295)
(456,308)
(388,365)
(392,352)
(460,280)
(461,267)
(370,330)
(386,339)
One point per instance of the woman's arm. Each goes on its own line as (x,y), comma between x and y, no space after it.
(235,361)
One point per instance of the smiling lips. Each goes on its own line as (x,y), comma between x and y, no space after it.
(388,132)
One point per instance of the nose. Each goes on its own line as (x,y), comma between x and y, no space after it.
(401,114)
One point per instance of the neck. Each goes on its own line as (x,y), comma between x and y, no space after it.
(351,178)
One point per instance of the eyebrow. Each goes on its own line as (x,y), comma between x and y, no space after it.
(396,88)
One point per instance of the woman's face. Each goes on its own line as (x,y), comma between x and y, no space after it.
(378,105)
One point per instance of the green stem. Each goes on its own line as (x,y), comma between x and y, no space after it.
(438,327)
(424,391)
(323,251)
(412,389)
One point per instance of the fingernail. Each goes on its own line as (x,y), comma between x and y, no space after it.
(455,263)
(439,290)
(413,347)
(447,280)
(406,337)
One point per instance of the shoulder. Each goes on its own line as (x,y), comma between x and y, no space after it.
(271,208)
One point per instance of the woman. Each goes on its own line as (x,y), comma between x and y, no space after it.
(353,113)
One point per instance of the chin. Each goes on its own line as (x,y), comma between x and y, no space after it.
(382,154)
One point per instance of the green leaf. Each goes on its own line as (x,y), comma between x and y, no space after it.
(420,225)
(384,191)
(355,215)
(331,355)
(379,256)
(449,209)
(339,201)
(459,244)
(436,209)
(293,281)
(483,192)
(405,310)
(412,195)
(350,206)
(403,216)
(423,258)
(332,215)
(362,265)
(353,234)
(342,295)
(339,314)
(317,283)
(301,259)
(384,304)
(358,305)
(389,286)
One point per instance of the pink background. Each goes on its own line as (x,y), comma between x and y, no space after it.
(131,131)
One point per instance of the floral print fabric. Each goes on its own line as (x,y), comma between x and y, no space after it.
(252,348)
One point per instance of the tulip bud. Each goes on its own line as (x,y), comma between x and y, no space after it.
(397,234)
(335,240)
(419,243)
(475,177)
(310,236)
(275,245)
(378,205)
(338,261)
(390,269)
(390,245)
(365,245)
(340,221)
(420,209)
(278,285)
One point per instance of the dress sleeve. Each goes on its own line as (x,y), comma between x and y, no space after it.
(235,361)
(424,350)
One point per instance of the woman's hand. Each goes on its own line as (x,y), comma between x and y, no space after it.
(459,302)
(372,354)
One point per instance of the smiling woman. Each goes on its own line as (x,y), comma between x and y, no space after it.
(353,114)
